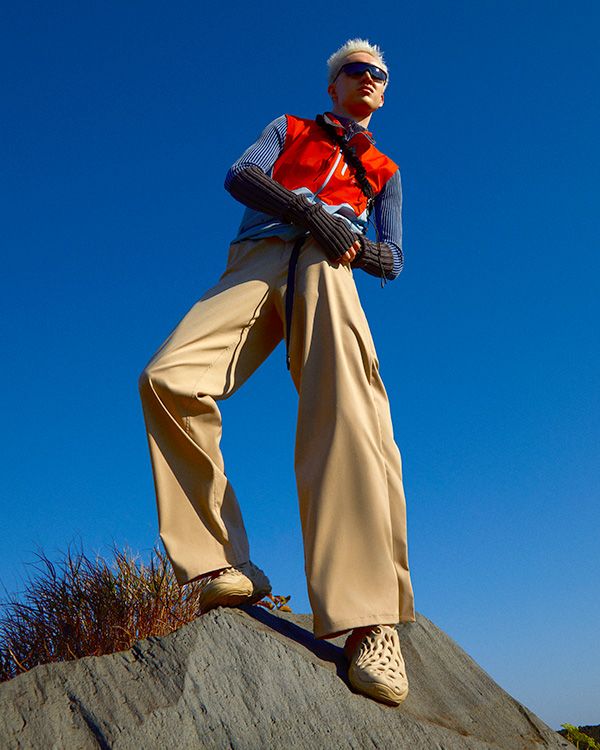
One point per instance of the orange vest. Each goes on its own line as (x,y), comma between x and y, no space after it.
(312,160)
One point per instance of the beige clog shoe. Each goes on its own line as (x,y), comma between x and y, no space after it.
(242,584)
(377,668)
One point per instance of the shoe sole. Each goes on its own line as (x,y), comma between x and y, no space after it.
(229,597)
(376,690)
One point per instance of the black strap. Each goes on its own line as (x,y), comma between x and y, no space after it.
(289,294)
(352,159)
(360,175)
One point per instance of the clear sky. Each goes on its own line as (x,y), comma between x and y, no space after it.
(119,123)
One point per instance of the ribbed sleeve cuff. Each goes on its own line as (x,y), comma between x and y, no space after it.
(375,258)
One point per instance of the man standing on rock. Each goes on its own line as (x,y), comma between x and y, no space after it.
(309,187)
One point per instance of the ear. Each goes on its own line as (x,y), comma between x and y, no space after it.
(332,92)
(381,102)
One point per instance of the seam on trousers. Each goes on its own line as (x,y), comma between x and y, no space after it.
(363,333)
(194,393)
(381,451)
(242,334)
(387,481)
(213,363)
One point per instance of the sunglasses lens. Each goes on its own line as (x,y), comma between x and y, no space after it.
(359,69)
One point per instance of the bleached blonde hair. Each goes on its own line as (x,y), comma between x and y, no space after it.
(335,62)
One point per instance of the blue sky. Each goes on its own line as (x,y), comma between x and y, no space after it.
(120,122)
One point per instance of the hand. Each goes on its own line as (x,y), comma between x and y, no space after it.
(350,254)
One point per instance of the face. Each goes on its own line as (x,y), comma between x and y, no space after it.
(358,97)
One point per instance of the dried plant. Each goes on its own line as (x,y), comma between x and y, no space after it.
(82,607)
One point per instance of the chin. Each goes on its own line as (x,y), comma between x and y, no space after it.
(364,107)
(362,112)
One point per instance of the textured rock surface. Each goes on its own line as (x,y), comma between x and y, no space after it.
(252,680)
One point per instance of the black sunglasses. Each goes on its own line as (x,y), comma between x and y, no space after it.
(358,69)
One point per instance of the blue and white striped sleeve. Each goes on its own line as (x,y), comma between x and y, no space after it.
(388,219)
(264,152)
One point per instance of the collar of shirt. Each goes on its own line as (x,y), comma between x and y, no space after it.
(351,128)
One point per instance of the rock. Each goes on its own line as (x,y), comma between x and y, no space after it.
(249,679)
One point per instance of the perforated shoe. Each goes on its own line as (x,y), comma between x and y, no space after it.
(242,584)
(376,666)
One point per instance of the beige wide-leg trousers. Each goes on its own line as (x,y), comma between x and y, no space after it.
(348,468)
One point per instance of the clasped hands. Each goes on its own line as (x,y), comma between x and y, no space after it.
(340,244)
(350,254)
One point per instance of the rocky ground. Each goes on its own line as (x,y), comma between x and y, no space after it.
(250,680)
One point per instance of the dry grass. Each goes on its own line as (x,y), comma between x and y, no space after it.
(82,607)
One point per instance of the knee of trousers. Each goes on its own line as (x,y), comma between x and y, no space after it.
(145,381)
(160,382)
(154,380)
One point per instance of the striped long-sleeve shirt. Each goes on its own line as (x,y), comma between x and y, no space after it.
(264,153)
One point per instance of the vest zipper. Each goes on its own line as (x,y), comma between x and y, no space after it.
(331,173)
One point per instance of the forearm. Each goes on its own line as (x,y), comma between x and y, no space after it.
(255,189)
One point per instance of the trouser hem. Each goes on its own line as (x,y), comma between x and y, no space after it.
(184,577)
(334,628)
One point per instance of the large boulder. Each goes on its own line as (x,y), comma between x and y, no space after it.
(249,679)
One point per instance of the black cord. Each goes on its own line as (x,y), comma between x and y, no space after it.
(360,175)
(353,161)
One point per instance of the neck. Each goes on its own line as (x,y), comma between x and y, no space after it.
(359,119)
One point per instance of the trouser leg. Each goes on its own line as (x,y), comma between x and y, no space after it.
(213,350)
(348,468)
(397,501)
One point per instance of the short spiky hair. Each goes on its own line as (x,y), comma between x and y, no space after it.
(336,60)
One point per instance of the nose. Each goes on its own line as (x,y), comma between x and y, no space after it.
(368,73)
